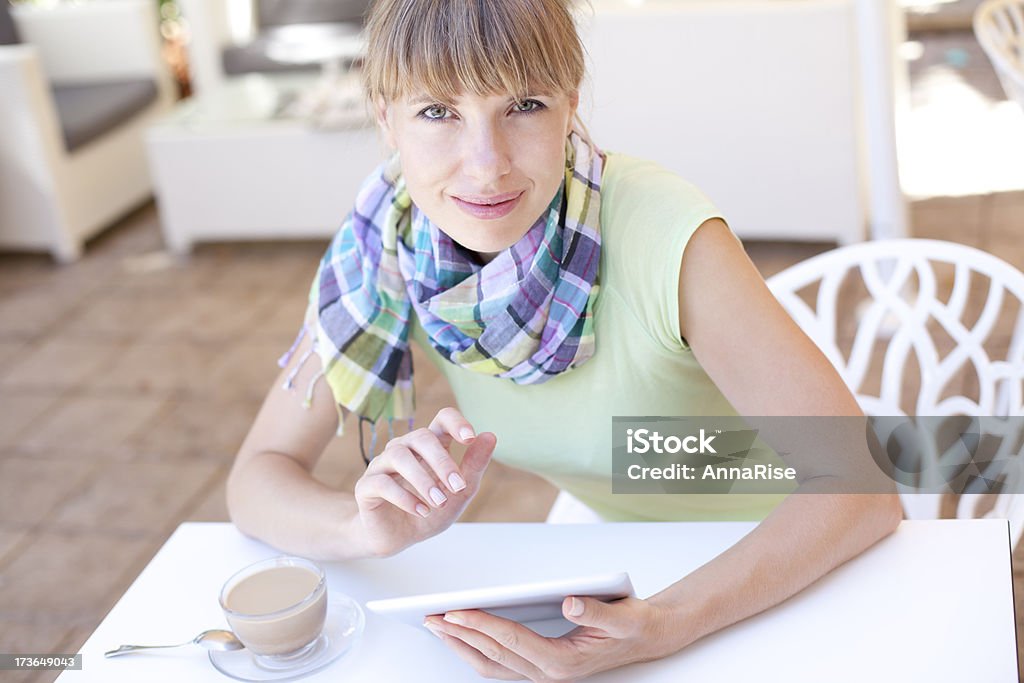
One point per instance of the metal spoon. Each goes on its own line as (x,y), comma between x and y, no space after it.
(214,639)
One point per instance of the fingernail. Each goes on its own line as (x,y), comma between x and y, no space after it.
(433,629)
(454,618)
(575,608)
(422,509)
(456,482)
(467,434)
(437,496)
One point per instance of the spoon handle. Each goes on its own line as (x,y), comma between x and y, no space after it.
(125,649)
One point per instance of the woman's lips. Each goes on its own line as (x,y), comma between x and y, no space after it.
(488,211)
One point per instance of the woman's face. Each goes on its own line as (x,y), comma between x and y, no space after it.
(483,169)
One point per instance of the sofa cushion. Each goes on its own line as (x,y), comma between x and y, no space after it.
(278,12)
(88,111)
(8,30)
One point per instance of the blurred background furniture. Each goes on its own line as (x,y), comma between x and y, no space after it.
(268,147)
(936,318)
(79,84)
(232,164)
(232,37)
(999,27)
(783,112)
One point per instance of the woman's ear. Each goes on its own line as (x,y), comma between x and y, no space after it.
(574,101)
(380,111)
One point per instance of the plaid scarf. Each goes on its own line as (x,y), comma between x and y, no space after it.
(525,316)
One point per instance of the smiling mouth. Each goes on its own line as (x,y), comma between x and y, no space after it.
(489,208)
(489,201)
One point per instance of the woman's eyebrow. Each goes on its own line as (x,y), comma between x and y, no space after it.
(425,98)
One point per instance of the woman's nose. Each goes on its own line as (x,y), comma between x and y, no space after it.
(486,155)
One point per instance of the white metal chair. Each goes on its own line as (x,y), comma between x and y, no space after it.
(934,292)
(999,27)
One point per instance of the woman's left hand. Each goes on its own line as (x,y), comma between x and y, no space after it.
(609,635)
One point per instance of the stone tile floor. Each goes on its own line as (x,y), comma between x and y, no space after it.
(126,384)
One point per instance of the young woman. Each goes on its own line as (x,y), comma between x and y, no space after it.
(555,285)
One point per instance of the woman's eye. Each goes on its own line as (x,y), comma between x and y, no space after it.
(527,106)
(434,112)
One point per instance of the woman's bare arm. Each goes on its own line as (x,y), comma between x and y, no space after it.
(765,365)
(271,492)
(411,490)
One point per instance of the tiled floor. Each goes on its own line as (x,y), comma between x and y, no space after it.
(125,388)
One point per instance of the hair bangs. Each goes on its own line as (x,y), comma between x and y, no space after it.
(445,48)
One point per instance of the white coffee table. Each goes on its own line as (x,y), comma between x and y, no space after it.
(931,603)
(230,166)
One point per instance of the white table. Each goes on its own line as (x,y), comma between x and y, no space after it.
(227,165)
(933,603)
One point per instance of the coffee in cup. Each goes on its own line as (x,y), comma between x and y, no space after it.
(277,608)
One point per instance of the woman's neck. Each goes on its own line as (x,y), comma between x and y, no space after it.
(481,258)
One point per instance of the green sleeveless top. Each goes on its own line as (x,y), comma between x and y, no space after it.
(562,429)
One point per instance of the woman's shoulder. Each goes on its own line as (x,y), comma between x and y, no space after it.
(648,214)
(645,206)
(632,182)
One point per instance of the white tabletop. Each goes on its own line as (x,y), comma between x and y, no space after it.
(933,602)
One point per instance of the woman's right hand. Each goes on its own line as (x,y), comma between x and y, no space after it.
(414,489)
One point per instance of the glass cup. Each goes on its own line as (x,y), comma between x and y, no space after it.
(277,608)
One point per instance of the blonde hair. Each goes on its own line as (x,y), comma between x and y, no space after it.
(444,48)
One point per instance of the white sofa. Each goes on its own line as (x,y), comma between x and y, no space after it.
(57,188)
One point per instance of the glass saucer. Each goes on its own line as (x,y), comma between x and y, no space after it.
(342,628)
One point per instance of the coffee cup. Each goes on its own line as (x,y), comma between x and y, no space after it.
(277,608)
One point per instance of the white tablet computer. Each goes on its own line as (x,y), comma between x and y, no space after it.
(522,602)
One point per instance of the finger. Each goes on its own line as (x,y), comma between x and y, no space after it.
(483,666)
(426,445)
(450,423)
(381,487)
(477,458)
(409,467)
(491,649)
(614,618)
(510,634)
